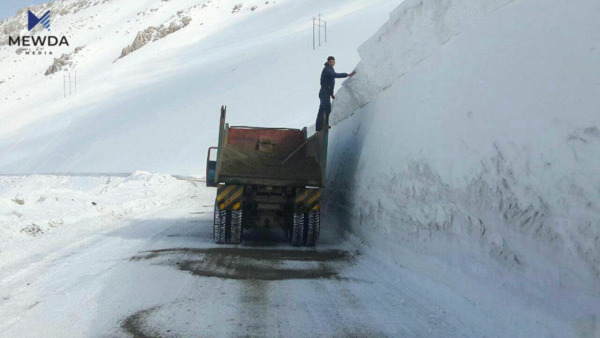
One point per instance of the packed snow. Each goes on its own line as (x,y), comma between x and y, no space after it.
(469,139)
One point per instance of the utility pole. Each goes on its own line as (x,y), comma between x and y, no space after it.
(75,80)
(318,23)
(64,86)
(319,29)
(69,82)
(313,33)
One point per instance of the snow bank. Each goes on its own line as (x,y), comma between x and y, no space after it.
(470,137)
(36,206)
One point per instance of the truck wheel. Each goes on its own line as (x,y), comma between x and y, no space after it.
(219,224)
(235,225)
(314,227)
(306,228)
(227,226)
(298,229)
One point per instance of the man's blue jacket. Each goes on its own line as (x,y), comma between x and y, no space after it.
(328,76)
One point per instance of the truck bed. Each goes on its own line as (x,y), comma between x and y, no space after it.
(271,156)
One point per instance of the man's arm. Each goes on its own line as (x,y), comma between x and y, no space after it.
(343,75)
(332,73)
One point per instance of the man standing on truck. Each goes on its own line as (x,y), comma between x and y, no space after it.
(328,76)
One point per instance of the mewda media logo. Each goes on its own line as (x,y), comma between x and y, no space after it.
(34,20)
(38,40)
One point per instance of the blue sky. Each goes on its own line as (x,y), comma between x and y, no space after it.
(8,8)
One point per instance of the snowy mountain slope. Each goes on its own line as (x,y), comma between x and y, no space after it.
(155,109)
(467,148)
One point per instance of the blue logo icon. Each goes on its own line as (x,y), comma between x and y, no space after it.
(44,19)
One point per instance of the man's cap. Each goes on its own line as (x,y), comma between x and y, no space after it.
(330,58)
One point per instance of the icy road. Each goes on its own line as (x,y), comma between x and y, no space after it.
(158,273)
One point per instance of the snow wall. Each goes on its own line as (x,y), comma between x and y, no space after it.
(470,137)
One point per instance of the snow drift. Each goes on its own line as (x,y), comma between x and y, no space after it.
(470,137)
(58,207)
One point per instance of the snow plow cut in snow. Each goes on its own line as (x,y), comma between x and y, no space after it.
(267,177)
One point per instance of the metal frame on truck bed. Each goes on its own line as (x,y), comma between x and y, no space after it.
(267,177)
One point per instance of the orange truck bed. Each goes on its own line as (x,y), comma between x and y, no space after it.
(269,156)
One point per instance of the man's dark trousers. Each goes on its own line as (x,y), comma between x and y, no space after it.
(324,109)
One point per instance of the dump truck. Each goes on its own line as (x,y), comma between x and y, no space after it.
(267,178)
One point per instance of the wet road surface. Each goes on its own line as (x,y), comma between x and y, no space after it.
(161,276)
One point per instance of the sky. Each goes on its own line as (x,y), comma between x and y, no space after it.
(8,8)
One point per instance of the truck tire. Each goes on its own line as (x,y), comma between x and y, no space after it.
(298,229)
(219,224)
(306,228)
(227,226)
(235,227)
(314,227)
